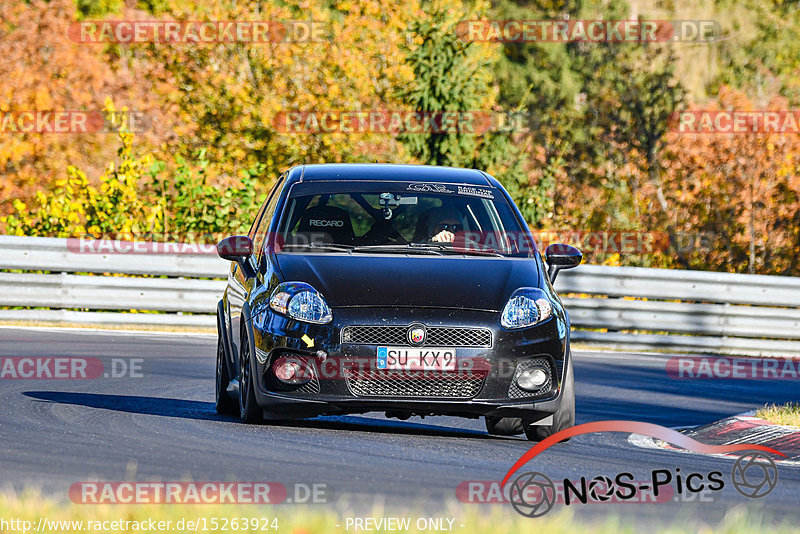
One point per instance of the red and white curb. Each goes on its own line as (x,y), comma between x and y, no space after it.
(744,428)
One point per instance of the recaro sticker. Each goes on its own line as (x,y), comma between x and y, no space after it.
(324,222)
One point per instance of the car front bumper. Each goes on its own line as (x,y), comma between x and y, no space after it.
(329,357)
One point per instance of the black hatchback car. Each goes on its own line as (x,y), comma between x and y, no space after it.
(406,289)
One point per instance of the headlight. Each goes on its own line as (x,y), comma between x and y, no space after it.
(300,301)
(526,307)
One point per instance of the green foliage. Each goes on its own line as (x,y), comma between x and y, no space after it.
(154,6)
(97,8)
(767,59)
(534,75)
(635,98)
(449,75)
(191,206)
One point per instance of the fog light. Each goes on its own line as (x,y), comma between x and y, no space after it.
(533,379)
(290,371)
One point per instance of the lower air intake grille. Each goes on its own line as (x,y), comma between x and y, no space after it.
(309,388)
(382,383)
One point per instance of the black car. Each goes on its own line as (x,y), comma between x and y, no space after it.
(406,289)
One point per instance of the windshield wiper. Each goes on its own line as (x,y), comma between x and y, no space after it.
(338,247)
(438,249)
(448,249)
(424,248)
(400,249)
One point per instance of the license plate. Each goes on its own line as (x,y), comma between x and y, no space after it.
(417,359)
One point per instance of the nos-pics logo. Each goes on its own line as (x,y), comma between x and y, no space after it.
(532,494)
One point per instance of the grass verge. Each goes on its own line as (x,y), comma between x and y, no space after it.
(786,414)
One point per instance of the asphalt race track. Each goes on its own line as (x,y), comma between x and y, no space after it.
(162,426)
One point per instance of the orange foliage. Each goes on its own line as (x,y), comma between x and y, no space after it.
(742,189)
(43,70)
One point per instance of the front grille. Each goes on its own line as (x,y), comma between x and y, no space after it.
(437,336)
(382,383)
(515,392)
(375,335)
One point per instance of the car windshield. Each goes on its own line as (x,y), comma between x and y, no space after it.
(431,219)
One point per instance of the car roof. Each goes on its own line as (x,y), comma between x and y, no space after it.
(393,172)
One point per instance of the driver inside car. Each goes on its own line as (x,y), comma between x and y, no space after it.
(443,224)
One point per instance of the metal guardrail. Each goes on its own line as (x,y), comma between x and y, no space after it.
(68,256)
(109,293)
(669,284)
(645,309)
(625,307)
(69,297)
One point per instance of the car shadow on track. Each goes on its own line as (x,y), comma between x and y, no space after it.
(370,424)
(204,411)
(181,408)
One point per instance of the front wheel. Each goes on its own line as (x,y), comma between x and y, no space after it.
(565,416)
(503,426)
(249,411)
(224,403)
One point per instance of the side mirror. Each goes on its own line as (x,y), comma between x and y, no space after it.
(238,248)
(560,257)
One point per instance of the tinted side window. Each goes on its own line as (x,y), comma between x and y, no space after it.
(266,217)
(252,233)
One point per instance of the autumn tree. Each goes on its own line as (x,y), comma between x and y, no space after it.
(739,191)
(42,70)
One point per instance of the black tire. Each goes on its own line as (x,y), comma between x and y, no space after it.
(503,426)
(249,410)
(224,403)
(564,417)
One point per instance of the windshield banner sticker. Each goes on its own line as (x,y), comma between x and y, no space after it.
(475,191)
(429,188)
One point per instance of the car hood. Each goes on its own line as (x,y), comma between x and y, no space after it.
(476,283)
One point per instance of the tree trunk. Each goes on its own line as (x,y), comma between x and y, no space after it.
(654,174)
